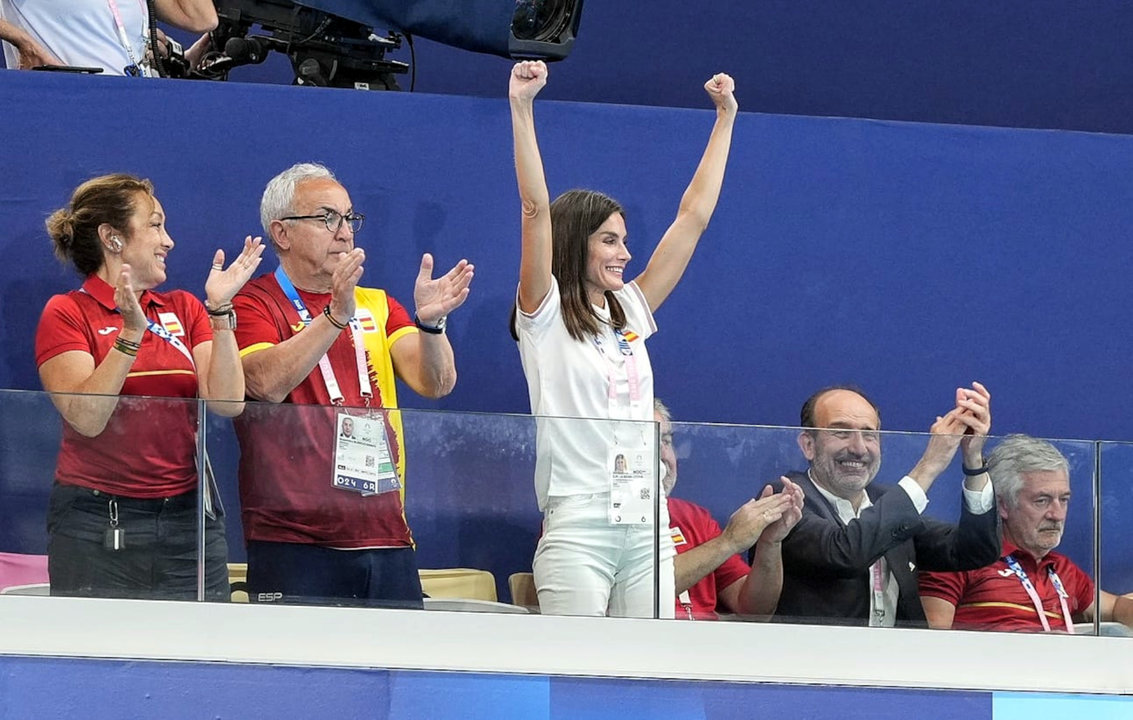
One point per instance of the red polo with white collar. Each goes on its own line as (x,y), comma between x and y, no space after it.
(148,447)
(993,597)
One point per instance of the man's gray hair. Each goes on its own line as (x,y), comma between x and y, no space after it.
(280,192)
(1016,455)
(662,409)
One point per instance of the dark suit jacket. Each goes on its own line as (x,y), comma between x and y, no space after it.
(826,562)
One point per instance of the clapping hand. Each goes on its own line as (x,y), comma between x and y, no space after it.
(437,297)
(223,283)
(778,530)
(975,406)
(133,318)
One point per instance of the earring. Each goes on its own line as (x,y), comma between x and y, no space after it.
(115,244)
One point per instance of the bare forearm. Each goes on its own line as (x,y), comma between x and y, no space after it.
(11,33)
(31,53)
(1122,610)
(226,375)
(528,162)
(535,201)
(437,371)
(692,566)
(925,472)
(669,261)
(759,595)
(88,405)
(192,15)
(699,199)
(272,373)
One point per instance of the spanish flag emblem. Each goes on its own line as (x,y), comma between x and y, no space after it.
(366,320)
(171,323)
(630,335)
(678,536)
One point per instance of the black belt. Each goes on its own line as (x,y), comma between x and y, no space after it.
(184,501)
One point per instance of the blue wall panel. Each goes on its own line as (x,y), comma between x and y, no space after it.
(906,258)
(1014,63)
(98,689)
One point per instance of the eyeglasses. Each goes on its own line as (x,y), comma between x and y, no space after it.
(333,220)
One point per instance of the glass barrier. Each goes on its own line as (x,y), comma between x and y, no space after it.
(1115,561)
(106,503)
(300,493)
(831,571)
(317,487)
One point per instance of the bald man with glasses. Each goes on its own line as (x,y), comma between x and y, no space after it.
(854,555)
(322,482)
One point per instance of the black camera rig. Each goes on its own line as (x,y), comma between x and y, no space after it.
(325,50)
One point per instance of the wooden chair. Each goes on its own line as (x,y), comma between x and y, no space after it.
(238,581)
(522,587)
(465,583)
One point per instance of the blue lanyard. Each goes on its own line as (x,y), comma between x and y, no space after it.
(292,294)
(333,389)
(162,333)
(168,337)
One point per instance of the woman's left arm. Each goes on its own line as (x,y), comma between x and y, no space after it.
(219,372)
(673,253)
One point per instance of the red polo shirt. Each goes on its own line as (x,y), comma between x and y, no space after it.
(693,525)
(993,598)
(148,447)
(287,450)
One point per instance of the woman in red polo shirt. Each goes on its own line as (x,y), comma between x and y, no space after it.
(123,514)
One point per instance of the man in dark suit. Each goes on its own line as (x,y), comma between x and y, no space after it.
(853,557)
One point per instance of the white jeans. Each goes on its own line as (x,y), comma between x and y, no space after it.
(586,566)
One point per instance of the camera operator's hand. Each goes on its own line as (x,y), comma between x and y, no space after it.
(197,51)
(162,46)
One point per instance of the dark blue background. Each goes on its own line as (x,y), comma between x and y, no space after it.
(1016,63)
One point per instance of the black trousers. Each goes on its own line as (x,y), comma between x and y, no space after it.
(158,559)
(309,574)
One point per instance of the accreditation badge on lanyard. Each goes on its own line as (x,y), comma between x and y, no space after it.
(138,67)
(633,483)
(362,459)
(632,465)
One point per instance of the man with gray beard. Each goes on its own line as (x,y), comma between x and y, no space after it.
(852,558)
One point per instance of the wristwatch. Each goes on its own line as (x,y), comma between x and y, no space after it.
(437,329)
(224,314)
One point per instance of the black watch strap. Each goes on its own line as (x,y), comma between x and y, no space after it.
(438,329)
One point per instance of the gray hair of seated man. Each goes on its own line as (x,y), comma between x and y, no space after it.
(1017,455)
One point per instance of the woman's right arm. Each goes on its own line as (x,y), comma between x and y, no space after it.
(84,394)
(527,79)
